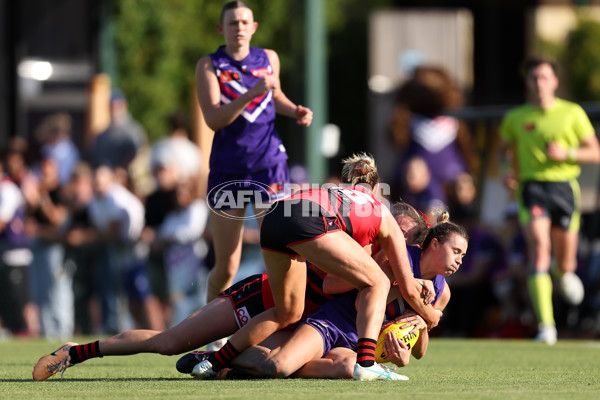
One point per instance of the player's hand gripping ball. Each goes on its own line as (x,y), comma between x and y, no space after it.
(401,331)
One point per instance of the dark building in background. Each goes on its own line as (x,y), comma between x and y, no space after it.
(36,36)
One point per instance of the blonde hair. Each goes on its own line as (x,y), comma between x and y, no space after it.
(442,216)
(360,168)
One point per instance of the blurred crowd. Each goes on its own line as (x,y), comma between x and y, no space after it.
(84,250)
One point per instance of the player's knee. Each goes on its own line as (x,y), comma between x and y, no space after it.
(377,279)
(286,317)
(345,369)
(274,368)
(167,348)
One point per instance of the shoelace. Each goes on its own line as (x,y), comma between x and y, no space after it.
(387,367)
(59,367)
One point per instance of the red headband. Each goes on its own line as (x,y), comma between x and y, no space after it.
(425,218)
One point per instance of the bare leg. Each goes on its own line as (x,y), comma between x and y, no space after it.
(537,235)
(153,313)
(306,344)
(227,242)
(211,322)
(337,364)
(253,358)
(564,244)
(287,278)
(31,317)
(338,254)
(281,354)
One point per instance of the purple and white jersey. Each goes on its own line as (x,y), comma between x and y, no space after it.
(250,143)
(399,306)
(435,139)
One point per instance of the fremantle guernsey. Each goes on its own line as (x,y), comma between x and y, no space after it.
(250,143)
(336,320)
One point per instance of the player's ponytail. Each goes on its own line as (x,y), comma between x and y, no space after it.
(360,169)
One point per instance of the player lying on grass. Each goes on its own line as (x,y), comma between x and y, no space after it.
(324,344)
(329,227)
(220,318)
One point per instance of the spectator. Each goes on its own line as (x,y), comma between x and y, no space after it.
(180,239)
(118,145)
(54,134)
(18,313)
(82,251)
(160,202)
(474,302)
(51,282)
(417,189)
(419,127)
(17,160)
(118,218)
(177,149)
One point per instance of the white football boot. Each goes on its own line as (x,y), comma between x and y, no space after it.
(376,372)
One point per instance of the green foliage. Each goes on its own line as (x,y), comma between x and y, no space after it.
(452,369)
(158,43)
(582,59)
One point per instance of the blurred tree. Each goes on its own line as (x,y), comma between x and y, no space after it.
(582,59)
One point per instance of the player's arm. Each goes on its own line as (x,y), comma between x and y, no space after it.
(283,105)
(588,151)
(392,240)
(420,347)
(217,115)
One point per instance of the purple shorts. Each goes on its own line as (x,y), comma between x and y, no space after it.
(230,191)
(336,322)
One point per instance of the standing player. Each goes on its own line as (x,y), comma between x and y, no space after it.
(239,93)
(549,137)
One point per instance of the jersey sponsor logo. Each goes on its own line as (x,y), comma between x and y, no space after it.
(243,316)
(528,126)
(227,76)
(260,72)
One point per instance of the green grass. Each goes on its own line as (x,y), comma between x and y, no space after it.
(452,369)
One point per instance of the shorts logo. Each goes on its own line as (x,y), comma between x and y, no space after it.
(242,316)
(236,195)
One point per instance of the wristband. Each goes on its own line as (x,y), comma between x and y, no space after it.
(571,154)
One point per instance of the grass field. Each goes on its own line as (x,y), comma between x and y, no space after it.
(452,369)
